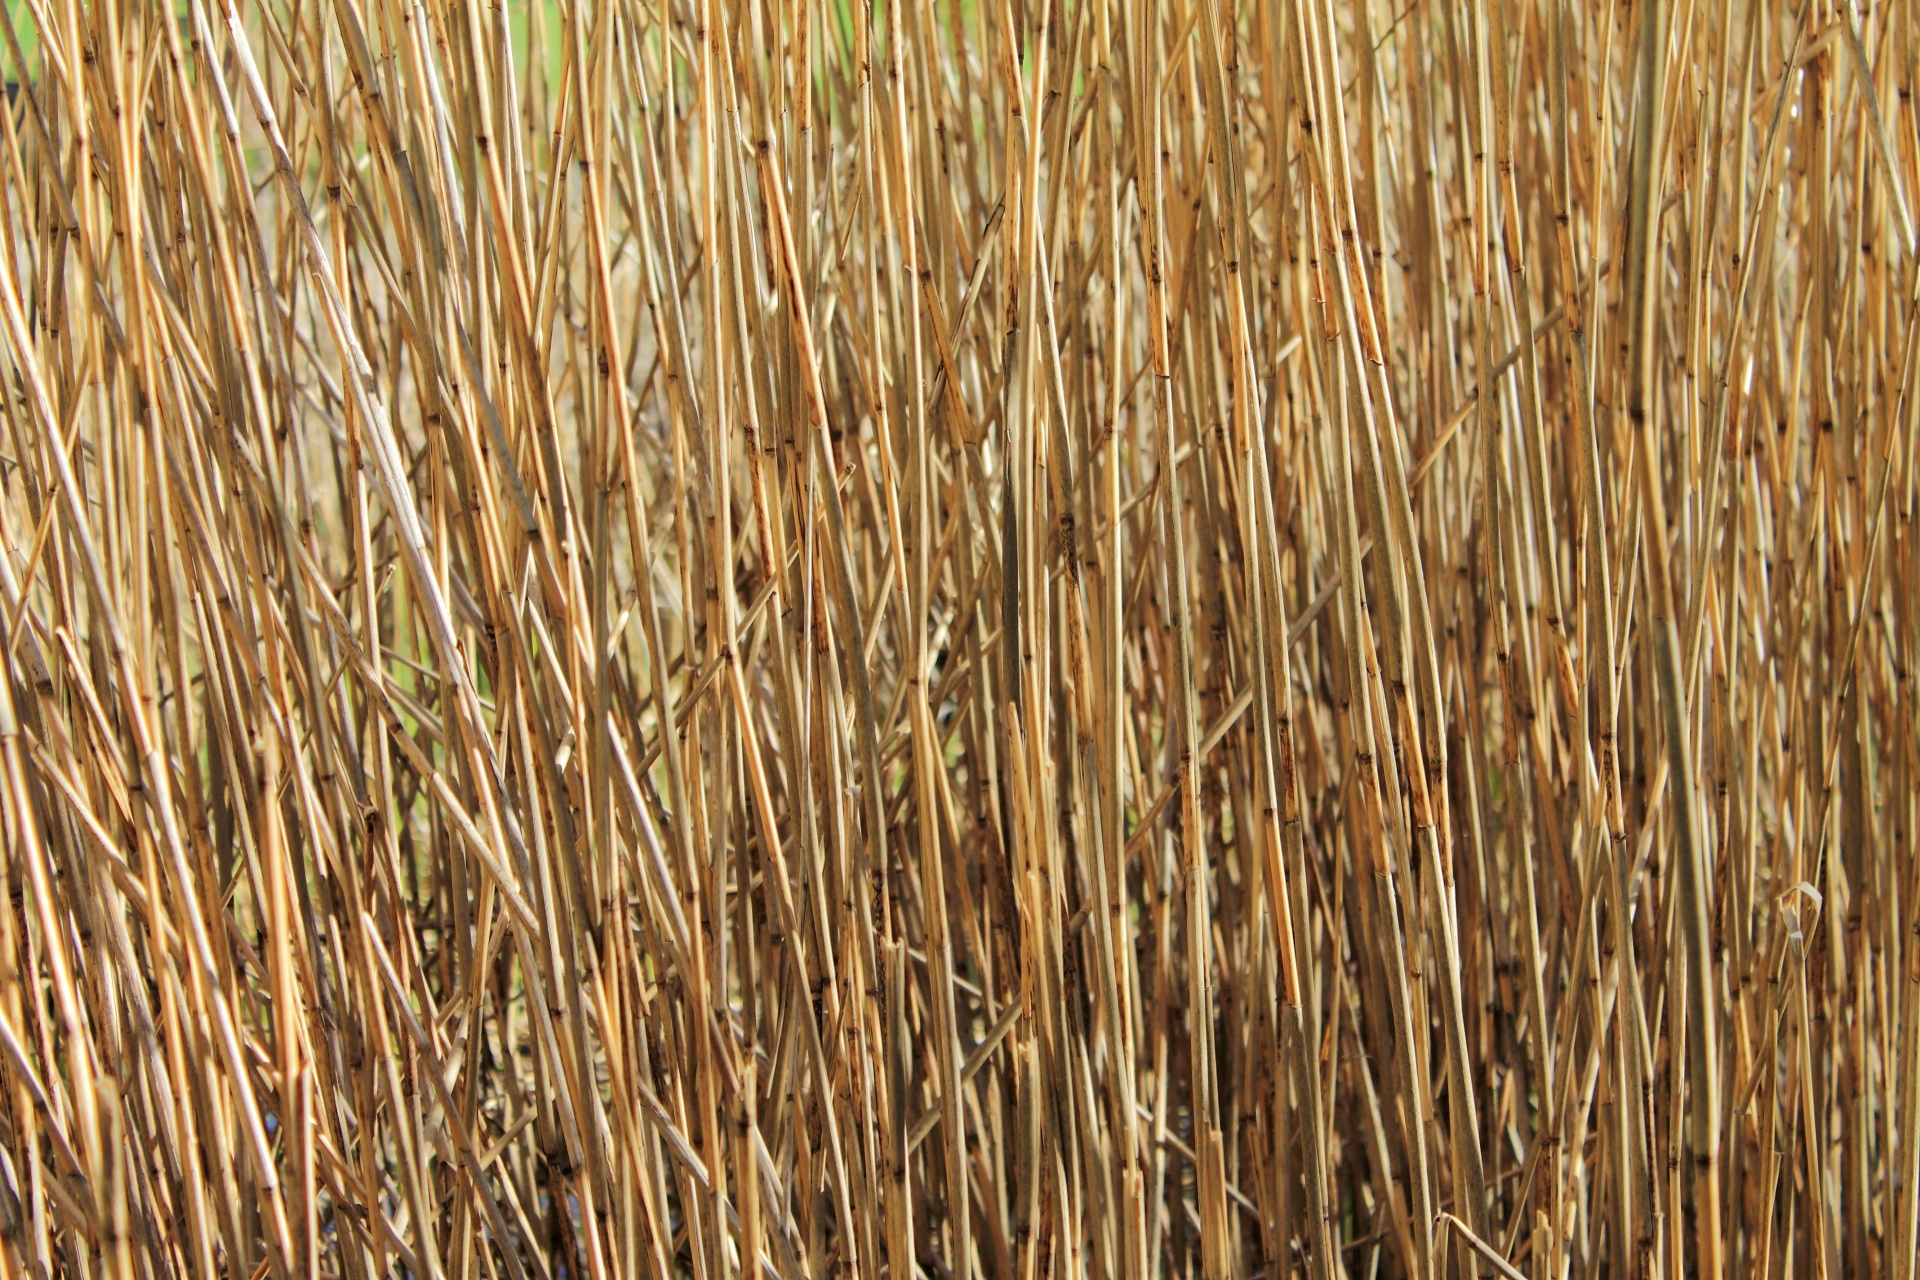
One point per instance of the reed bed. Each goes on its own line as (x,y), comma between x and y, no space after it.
(987,638)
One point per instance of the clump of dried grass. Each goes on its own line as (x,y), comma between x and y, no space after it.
(1068,638)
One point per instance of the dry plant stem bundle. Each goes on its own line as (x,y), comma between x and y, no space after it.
(716,638)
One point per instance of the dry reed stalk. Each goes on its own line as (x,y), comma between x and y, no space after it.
(981,639)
